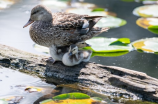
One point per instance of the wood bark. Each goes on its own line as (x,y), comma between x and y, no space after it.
(107,80)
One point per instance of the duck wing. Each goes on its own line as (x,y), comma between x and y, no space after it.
(75,28)
(68,21)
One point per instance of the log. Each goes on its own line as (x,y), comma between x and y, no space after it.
(108,80)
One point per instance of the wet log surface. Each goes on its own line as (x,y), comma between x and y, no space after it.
(107,80)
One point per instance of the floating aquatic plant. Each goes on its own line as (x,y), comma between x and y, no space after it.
(72,98)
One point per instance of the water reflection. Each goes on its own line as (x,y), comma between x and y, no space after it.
(13,83)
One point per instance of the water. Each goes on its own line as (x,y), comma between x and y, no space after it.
(14,83)
(12,33)
(143,62)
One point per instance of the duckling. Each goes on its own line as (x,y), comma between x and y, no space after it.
(57,53)
(75,56)
(61,29)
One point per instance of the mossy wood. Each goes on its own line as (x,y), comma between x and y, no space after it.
(108,80)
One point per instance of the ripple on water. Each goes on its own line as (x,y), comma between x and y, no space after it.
(16,83)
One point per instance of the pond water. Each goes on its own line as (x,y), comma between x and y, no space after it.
(12,33)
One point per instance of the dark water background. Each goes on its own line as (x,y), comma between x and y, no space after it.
(143,62)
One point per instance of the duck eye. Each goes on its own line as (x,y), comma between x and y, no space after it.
(34,12)
(82,43)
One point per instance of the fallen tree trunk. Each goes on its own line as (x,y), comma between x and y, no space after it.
(107,80)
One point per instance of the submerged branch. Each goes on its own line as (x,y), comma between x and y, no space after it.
(108,80)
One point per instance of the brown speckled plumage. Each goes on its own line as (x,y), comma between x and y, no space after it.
(63,29)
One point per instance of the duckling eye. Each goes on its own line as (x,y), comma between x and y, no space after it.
(82,43)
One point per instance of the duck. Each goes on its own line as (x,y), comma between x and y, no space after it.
(61,29)
(75,56)
(58,52)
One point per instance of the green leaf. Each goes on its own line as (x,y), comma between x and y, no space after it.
(123,22)
(140,50)
(101,44)
(156,53)
(110,21)
(109,54)
(75,95)
(121,42)
(148,45)
(98,9)
(46,101)
(153,29)
(146,11)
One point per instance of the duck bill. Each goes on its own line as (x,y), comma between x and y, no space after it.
(28,23)
(88,45)
(70,53)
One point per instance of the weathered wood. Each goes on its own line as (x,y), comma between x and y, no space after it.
(108,80)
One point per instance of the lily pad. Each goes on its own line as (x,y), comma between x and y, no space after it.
(101,47)
(109,54)
(72,98)
(147,22)
(101,44)
(71,101)
(149,45)
(146,11)
(153,29)
(6,3)
(121,42)
(75,95)
(98,9)
(109,21)
(55,4)
(62,4)
(106,47)
(103,10)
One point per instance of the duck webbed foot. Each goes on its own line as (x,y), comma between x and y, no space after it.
(49,60)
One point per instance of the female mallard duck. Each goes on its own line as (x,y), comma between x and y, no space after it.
(61,29)
(75,56)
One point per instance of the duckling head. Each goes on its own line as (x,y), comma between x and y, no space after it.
(82,44)
(73,50)
(39,13)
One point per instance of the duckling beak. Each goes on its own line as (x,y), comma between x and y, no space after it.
(28,23)
(88,45)
(70,53)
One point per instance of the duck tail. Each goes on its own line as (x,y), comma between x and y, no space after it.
(94,32)
(92,20)
(105,29)
(97,30)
